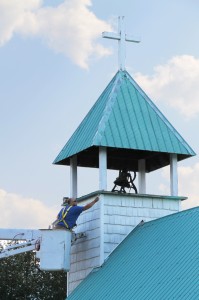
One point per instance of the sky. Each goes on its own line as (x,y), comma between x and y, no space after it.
(54,64)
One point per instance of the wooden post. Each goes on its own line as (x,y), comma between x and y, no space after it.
(141,176)
(73,176)
(102,168)
(173,175)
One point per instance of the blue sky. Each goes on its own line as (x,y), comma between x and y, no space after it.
(53,67)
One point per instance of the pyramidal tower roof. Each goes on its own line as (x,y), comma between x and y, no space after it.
(129,124)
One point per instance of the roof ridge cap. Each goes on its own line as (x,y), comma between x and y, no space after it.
(107,110)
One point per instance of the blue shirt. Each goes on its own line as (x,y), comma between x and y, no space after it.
(71,216)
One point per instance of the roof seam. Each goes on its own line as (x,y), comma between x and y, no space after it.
(159,113)
(130,120)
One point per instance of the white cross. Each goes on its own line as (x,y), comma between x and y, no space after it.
(121,37)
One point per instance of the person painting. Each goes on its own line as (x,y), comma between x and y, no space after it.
(69,214)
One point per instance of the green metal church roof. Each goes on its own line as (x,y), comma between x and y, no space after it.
(124,119)
(157,260)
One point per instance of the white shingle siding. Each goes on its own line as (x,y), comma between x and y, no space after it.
(107,223)
(85,252)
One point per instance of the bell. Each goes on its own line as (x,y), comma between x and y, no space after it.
(124,180)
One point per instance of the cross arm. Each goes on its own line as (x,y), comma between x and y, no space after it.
(117,36)
(111,35)
(129,38)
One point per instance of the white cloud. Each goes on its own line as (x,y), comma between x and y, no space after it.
(70,28)
(14,15)
(175,83)
(188,185)
(188,178)
(20,212)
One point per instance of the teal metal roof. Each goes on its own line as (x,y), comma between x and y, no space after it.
(125,118)
(157,260)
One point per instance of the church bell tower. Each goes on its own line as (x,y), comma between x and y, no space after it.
(123,131)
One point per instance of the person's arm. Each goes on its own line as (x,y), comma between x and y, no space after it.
(89,205)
